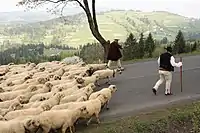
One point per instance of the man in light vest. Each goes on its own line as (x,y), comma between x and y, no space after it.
(166,63)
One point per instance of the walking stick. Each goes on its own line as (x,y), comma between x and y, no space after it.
(181,75)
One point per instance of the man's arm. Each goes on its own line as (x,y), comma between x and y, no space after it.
(174,64)
(159,61)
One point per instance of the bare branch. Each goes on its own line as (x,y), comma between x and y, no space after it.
(80,4)
(94,15)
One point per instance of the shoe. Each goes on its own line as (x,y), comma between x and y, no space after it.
(168,94)
(154,91)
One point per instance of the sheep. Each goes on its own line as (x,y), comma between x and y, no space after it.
(96,67)
(60,72)
(20,81)
(16,126)
(105,91)
(14,106)
(88,89)
(55,100)
(26,112)
(90,79)
(75,97)
(69,84)
(93,107)
(33,104)
(63,119)
(39,96)
(13,94)
(39,80)
(106,74)
(6,104)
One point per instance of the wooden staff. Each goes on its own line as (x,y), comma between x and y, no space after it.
(181,75)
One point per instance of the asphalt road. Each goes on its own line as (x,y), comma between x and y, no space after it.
(135,87)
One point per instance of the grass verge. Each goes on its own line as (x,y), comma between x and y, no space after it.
(181,119)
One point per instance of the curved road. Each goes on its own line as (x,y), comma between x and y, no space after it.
(136,82)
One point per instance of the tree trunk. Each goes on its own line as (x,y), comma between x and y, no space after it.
(106,50)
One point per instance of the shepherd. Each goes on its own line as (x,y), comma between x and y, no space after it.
(114,54)
(166,62)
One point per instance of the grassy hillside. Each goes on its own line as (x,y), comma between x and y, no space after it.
(112,24)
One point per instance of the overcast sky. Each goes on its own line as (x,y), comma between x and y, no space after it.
(189,8)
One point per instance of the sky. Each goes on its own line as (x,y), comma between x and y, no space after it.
(188,8)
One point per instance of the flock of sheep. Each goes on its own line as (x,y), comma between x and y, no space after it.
(52,96)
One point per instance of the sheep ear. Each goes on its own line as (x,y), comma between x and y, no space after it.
(28,123)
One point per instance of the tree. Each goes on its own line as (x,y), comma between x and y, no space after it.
(149,45)
(179,44)
(129,49)
(194,47)
(91,15)
(141,46)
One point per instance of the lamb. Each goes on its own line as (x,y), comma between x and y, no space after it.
(107,74)
(93,107)
(6,104)
(88,89)
(26,112)
(20,81)
(98,66)
(13,94)
(16,126)
(33,104)
(14,106)
(105,91)
(64,119)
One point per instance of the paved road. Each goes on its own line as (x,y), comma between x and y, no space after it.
(135,84)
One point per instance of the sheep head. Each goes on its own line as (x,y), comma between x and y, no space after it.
(2,118)
(31,124)
(49,85)
(42,99)
(16,106)
(79,86)
(57,77)
(45,107)
(83,110)
(113,88)
(79,80)
(22,99)
(1,90)
(42,69)
(41,80)
(32,88)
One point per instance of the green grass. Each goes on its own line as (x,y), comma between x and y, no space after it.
(112,24)
(182,117)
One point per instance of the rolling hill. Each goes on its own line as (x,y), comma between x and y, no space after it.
(115,23)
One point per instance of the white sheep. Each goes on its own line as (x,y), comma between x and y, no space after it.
(26,112)
(107,74)
(64,119)
(82,96)
(16,126)
(105,91)
(14,106)
(6,104)
(90,79)
(93,107)
(13,94)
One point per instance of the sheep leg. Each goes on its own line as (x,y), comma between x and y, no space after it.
(97,117)
(89,121)
(97,82)
(107,106)
(64,128)
(108,82)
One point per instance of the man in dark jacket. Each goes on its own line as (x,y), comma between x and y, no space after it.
(166,63)
(114,54)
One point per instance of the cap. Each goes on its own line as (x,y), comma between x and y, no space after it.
(169,49)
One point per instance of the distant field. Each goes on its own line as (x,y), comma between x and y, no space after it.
(112,24)
(66,53)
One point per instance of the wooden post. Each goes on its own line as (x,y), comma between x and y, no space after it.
(181,75)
